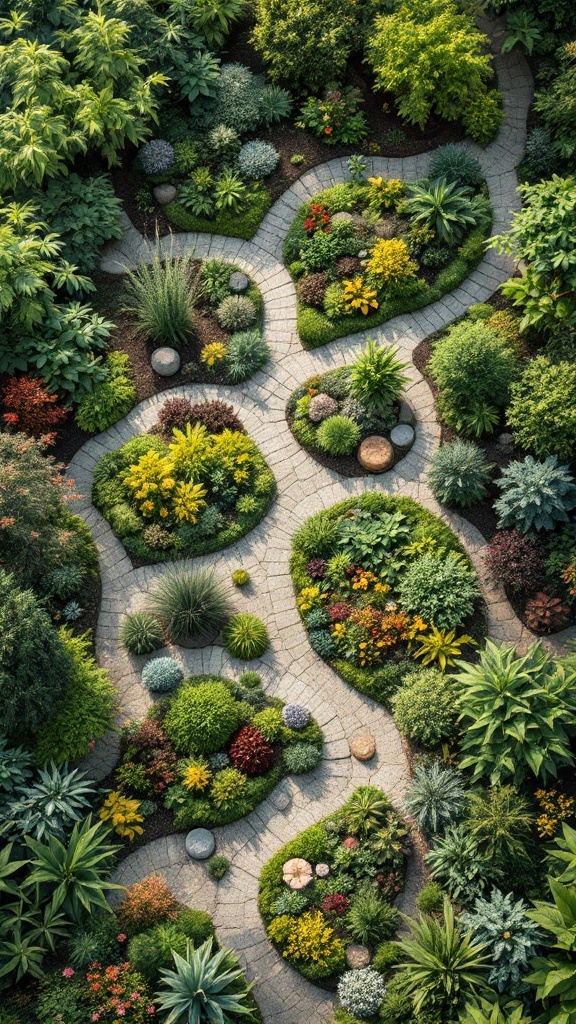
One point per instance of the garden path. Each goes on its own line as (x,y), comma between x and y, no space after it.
(290,669)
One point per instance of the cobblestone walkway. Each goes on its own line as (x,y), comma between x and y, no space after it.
(290,669)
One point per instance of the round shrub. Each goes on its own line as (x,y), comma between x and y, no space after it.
(441,589)
(301,757)
(236,313)
(201,718)
(161,675)
(217,867)
(338,435)
(257,159)
(295,716)
(459,474)
(228,787)
(431,899)
(424,707)
(542,410)
(196,925)
(361,992)
(190,603)
(247,353)
(245,636)
(240,577)
(515,561)
(156,156)
(250,752)
(456,164)
(312,290)
(239,98)
(141,633)
(321,407)
(216,416)
(269,722)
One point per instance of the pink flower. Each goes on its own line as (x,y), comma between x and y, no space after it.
(121,937)
(95,1016)
(135,996)
(68,972)
(150,1008)
(120,1011)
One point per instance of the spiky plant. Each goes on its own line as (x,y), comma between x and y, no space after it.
(190,602)
(459,474)
(535,495)
(445,207)
(161,297)
(456,862)
(377,378)
(203,987)
(500,819)
(366,810)
(436,798)
(510,938)
(49,806)
(15,769)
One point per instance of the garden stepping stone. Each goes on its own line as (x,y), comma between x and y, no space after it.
(402,436)
(363,748)
(357,956)
(376,454)
(165,194)
(238,282)
(200,844)
(165,361)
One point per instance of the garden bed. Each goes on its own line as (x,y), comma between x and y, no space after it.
(145,492)
(206,755)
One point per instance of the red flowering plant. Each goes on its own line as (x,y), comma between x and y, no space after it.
(117,995)
(335,117)
(30,408)
(335,904)
(317,220)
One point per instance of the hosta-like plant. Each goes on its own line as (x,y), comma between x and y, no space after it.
(456,862)
(555,975)
(50,806)
(517,713)
(204,987)
(502,925)
(565,852)
(445,207)
(441,966)
(535,495)
(491,1011)
(436,798)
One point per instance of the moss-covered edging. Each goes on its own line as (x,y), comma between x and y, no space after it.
(378,681)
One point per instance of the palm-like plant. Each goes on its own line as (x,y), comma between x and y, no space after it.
(50,805)
(366,810)
(190,603)
(442,968)
(161,297)
(456,862)
(445,207)
(377,378)
(436,798)
(500,820)
(204,988)
(73,876)
(518,713)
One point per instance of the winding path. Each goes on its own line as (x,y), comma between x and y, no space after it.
(290,669)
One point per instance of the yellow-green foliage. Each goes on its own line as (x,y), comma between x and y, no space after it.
(390,262)
(308,940)
(359,296)
(384,193)
(121,813)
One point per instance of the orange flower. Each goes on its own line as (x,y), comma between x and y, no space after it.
(327,131)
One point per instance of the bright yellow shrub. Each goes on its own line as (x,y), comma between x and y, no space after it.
(188,502)
(121,813)
(385,193)
(152,482)
(196,775)
(189,449)
(358,295)
(213,353)
(390,262)
(308,939)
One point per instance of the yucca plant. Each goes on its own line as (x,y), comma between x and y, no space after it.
(190,603)
(436,798)
(204,988)
(456,862)
(377,378)
(441,966)
(445,207)
(49,806)
(161,297)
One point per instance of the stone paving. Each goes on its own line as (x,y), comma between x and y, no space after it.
(290,669)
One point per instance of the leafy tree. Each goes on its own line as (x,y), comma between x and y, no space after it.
(431,57)
(543,236)
(518,712)
(556,104)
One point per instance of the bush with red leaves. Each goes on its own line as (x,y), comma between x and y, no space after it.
(176,412)
(150,736)
(250,752)
(30,408)
(217,417)
(339,612)
(335,904)
(348,266)
(316,568)
(313,289)
(515,561)
(546,613)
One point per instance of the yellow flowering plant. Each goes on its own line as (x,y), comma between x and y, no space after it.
(389,262)
(308,598)
(384,193)
(308,939)
(358,296)
(555,808)
(151,481)
(121,813)
(213,354)
(196,775)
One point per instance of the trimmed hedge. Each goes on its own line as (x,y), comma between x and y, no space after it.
(242,225)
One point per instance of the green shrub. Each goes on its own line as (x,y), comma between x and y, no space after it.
(424,707)
(161,298)
(441,589)
(338,435)
(385,957)
(455,163)
(196,925)
(86,709)
(314,329)
(236,313)
(109,400)
(535,495)
(151,952)
(161,675)
(247,353)
(484,116)
(190,603)
(459,474)
(217,867)
(202,716)
(430,899)
(85,213)
(235,225)
(245,636)
(141,633)
(300,758)
(370,920)
(436,798)
(377,378)
(542,410)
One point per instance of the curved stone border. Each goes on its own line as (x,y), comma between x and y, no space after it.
(290,667)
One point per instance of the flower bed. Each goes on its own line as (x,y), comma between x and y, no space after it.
(334,886)
(366,251)
(195,486)
(210,752)
(379,578)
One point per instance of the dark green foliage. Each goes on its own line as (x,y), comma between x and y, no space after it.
(456,164)
(301,757)
(240,225)
(190,603)
(459,474)
(370,919)
(85,212)
(441,589)
(535,495)
(542,410)
(247,353)
(217,867)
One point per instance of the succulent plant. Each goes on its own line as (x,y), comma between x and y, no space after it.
(546,613)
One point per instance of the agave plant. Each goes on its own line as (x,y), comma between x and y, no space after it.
(50,806)
(436,798)
(204,988)
(449,209)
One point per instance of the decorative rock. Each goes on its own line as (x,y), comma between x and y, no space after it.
(238,282)
(165,361)
(297,873)
(406,414)
(363,254)
(200,844)
(388,228)
(322,870)
(505,441)
(165,194)
(402,436)
(376,454)
(280,800)
(342,218)
(363,748)
(357,956)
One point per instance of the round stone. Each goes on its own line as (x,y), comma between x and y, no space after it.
(164,194)
(342,218)
(363,748)
(402,436)
(165,361)
(505,441)
(357,956)
(200,844)
(322,870)
(376,454)
(238,282)
(363,254)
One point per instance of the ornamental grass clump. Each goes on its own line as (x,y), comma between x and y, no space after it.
(246,636)
(459,474)
(161,297)
(141,633)
(190,603)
